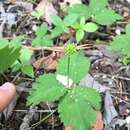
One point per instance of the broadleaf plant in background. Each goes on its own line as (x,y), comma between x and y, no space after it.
(42,38)
(62,25)
(81,27)
(14,56)
(75,102)
(96,11)
(121,44)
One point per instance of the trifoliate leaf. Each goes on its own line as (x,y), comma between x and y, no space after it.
(79,9)
(106,17)
(41,30)
(90,27)
(56,20)
(79,35)
(75,110)
(8,55)
(25,56)
(46,88)
(96,6)
(70,19)
(78,66)
(28,70)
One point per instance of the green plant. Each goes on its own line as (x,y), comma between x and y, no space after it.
(95,11)
(77,105)
(8,56)
(41,37)
(82,27)
(37,14)
(121,44)
(62,25)
(15,57)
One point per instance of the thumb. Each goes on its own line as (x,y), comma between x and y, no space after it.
(7,93)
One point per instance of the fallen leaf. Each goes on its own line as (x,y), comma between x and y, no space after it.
(48,9)
(47,63)
(99,122)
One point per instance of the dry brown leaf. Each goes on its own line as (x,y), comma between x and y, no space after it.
(48,63)
(47,8)
(99,122)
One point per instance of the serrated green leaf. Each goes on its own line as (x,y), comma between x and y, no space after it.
(37,41)
(106,17)
(47,41)
(120,44)
(8,56)
(3,42)
(90,27)
(56,20)
(96,6)
(77,60)
(79,35)
(28,70)
(16,42)
(42,30)
(46,88)
(76,111)
(56,31)
(79,9)
(25,56)
(70,19)
(88,94)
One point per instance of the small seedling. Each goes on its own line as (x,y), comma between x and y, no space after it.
(42,38)
(62,25)
(82,27)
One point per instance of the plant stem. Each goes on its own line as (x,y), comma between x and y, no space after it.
(68,71)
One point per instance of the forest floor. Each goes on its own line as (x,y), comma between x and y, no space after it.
(106,73)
